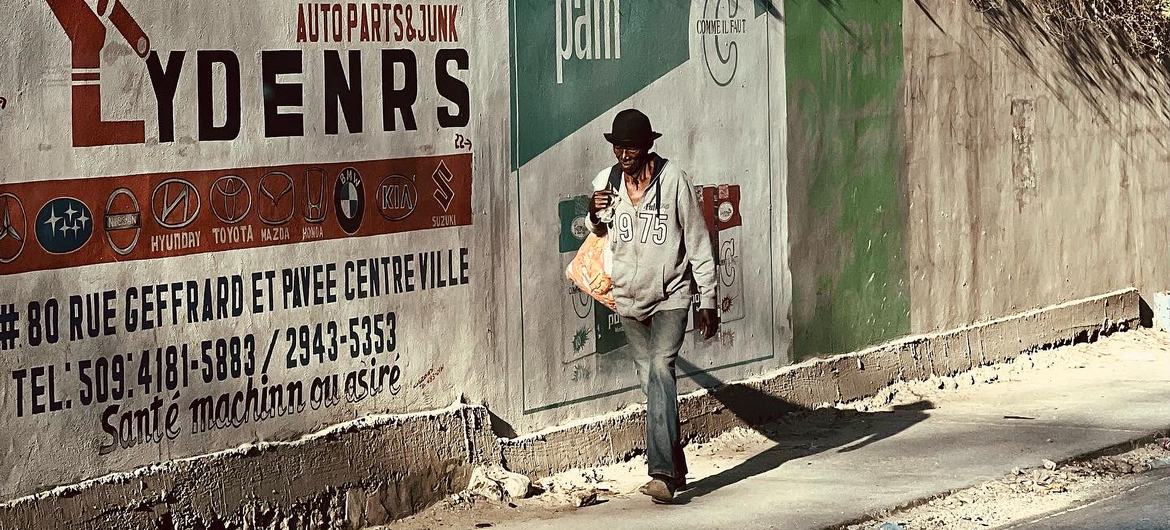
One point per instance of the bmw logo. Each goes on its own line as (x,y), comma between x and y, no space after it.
(349,200)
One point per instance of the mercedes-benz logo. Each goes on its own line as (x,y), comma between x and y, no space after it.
(230,198)
(13,227)
(175,204)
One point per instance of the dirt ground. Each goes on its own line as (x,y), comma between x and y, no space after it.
(1027,493)
(1034,491)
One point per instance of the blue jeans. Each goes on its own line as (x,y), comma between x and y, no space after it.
(654,346)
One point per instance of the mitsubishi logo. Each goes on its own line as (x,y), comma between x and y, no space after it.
(175,204)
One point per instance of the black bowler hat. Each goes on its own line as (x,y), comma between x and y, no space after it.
(631,127)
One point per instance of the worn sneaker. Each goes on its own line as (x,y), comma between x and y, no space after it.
(660,491)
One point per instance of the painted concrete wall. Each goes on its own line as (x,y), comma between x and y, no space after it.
(230,223)
(708,74)
(937,178)
(846,195)
(948,166)
(240,221)
(1037,169)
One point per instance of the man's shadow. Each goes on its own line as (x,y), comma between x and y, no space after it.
(796,430)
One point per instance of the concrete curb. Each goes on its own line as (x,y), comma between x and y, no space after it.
(706,414)
(365,472)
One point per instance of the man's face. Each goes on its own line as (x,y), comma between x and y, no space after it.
(631,158)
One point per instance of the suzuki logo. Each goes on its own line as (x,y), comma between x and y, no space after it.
(443,177)
(175,204)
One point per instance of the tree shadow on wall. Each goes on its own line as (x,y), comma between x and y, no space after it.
(1101,61)
(770,8)
(833,7)
(796,430)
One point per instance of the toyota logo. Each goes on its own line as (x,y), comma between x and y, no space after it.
(230,198)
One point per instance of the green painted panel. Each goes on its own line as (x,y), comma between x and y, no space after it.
(610,335)
(573,60)
(572,212)
(847,203)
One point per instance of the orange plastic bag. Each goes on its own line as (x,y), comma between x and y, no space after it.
(588,270)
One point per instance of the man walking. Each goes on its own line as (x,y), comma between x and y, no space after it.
(659,242)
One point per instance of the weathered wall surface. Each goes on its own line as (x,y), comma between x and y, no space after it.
(948,166)
(215,234)
(229,223)
(1037,168)
(237,222)
(356,474)
(708,74)
(846,192)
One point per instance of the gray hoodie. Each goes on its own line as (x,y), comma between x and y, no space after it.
(653,244)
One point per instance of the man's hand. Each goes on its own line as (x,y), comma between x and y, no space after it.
(601,200)
(708,322)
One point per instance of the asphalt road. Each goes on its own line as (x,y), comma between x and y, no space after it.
(1144,507)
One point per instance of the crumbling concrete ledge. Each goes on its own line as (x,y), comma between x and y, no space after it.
(364,472)
(816,383)
(380,468)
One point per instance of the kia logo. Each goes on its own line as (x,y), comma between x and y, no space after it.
(397,197)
